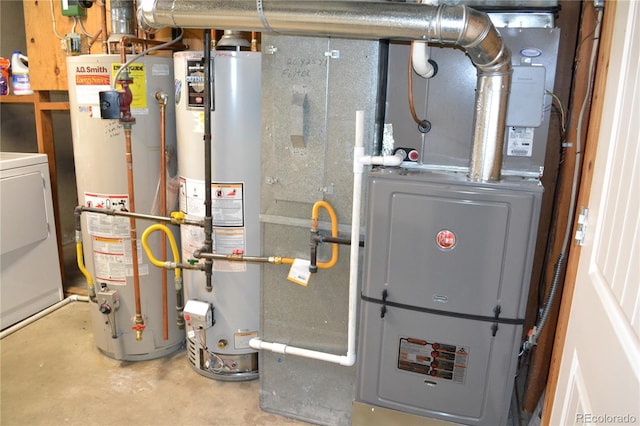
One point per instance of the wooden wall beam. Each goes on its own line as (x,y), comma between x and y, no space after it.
(541,354)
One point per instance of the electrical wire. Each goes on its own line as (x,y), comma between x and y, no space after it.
(82,27)
(562,112)
(218,363)
(559,267)
(53,22)
(145,52)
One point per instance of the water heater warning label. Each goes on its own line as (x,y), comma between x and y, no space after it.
(438,360)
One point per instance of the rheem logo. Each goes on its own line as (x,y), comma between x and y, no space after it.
(445,239)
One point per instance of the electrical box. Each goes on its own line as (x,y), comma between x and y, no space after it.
(198,315)
(526,102)
(72,8)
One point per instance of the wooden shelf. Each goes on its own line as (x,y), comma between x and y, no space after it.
(31,99)
(16,99)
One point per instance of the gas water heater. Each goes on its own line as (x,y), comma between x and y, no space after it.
(221,320)
(101,173)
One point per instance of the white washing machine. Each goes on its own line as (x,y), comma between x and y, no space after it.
(30,279)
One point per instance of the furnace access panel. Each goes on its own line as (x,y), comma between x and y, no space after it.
(447,270)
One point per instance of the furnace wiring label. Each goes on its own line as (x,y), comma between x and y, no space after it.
(520,141)
(437,360)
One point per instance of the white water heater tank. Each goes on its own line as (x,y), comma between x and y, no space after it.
(101,174)
(222,351)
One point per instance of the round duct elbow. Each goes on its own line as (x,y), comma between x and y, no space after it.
(145,15)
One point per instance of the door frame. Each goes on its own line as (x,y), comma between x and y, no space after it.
(590,152)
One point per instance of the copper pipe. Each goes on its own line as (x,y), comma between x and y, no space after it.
(162,102)
(139,320)
(410,83)
(94,37)
(123,52)
(254,41)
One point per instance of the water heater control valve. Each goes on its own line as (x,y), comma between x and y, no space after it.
(108,300)
(198,315)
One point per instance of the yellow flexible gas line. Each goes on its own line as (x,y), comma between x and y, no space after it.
(84,271)
(334,231)
(172,243)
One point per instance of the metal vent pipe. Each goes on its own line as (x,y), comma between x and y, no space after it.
(122,17)
(452,26)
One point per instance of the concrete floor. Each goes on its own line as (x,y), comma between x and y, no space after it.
(52,374)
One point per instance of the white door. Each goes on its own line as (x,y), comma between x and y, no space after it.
(599,376)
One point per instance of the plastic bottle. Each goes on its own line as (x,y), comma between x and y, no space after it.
(4,85)
(20,74)
(4,76)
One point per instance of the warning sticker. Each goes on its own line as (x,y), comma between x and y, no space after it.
(438,360)
(192,239)
(227,204)
(241,340)
(138,86)
(229,241)
(227,201)
(520,141)
(225,241)
(113,261)
(104,225)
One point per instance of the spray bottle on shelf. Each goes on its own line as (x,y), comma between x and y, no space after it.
(20,74)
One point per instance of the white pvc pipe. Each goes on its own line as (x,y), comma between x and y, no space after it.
(420,59)
(47,311)
(359,161)
(382,160)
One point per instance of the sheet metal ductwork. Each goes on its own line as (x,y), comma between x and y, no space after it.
(122,17)
(453,26)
